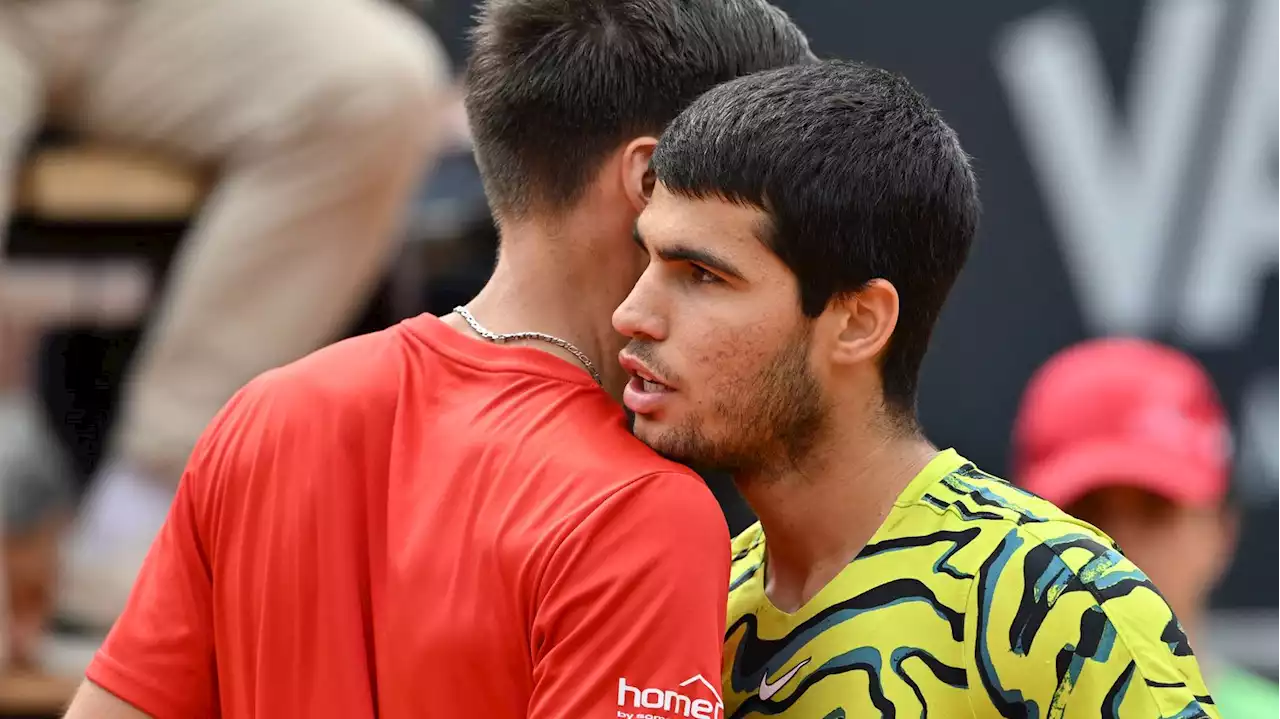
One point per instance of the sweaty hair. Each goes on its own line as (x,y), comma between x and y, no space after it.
(859,178)
(554,86)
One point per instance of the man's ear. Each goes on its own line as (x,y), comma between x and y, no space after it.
(637,178)
(867,319)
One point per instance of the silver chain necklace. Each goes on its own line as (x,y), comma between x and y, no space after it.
(541,337)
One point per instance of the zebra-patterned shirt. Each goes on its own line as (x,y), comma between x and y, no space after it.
(973,598)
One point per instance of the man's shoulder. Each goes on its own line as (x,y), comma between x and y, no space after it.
(1014,547)
(1032,561)
(1044,587)
(341,384)
(343,371)
(669,514)
(1013,526)
(1045,561)
(970,495)
(985,515)
(599,479)
(351,371)
(591,443)
(1043,536)
(654,493)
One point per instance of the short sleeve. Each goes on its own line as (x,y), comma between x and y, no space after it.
(1059,623)
(631,607)
(159,655)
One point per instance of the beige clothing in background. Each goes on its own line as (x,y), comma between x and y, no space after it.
(319,116)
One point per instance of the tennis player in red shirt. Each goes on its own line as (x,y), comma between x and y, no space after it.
(450,518)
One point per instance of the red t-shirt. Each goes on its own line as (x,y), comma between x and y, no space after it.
(416,523)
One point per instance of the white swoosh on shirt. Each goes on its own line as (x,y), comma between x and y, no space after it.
(767,689)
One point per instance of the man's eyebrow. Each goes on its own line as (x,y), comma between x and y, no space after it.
(709,260)
(684,253)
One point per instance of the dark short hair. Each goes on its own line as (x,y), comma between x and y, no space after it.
(553,86)
(860,179)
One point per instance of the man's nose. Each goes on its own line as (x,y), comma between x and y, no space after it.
(638,316)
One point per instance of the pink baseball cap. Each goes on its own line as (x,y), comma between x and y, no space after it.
(1123,412)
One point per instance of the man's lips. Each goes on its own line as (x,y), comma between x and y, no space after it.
(645,393)
(636,368)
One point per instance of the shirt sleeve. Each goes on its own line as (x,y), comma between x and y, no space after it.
(631,609)
(1059,623)
(159,655)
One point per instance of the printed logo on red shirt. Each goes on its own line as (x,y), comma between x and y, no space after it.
(696,698)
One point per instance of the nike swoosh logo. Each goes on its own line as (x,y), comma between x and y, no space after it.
(768,689)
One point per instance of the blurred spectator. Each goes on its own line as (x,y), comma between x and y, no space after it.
(318,118)
(34,506)
(1131,436)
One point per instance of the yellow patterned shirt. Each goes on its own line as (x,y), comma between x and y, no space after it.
(973,599)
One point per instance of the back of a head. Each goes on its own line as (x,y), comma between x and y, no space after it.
(860,178)
(553,86)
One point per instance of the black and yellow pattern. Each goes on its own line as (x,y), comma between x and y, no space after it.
(973,599)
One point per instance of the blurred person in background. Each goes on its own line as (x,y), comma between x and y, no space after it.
(807,226)
(318,118)
(450,517)
(1131,436)
(35,505)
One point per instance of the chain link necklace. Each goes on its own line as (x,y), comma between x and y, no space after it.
(539,336)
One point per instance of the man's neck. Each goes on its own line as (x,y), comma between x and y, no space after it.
(818,515)
(540,284)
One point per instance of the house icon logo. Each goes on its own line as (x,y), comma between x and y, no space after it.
(695,698)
